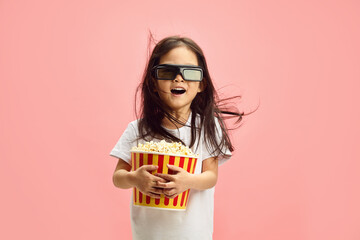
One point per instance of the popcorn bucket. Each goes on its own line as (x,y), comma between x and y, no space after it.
(187,163)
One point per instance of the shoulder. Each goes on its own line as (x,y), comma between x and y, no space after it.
(134,124)
(216,125)
(132,128)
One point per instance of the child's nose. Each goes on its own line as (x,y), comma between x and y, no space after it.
(179,78)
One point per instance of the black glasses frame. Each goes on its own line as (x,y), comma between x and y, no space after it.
(178,69)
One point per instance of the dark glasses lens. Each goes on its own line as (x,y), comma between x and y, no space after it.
(167,73)
(170,71)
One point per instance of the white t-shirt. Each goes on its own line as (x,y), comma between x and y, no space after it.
(196,222)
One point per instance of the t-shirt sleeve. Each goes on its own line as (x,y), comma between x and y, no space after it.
(125,143)
(226,153)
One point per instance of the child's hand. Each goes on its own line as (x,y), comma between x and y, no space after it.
(177,183)
(147,182)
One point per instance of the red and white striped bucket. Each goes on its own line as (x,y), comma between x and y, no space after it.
(187,163)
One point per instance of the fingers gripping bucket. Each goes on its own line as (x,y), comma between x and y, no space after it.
(187,163)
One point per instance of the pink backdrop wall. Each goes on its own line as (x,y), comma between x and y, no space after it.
(68,72)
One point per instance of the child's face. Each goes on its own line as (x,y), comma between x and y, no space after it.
(178,102)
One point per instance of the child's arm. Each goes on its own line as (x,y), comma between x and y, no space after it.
(141,178)
(183,180)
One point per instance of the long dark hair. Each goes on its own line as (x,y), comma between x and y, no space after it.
(206,104)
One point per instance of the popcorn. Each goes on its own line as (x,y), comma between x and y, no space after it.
(173,148)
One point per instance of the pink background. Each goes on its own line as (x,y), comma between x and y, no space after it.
(68,72)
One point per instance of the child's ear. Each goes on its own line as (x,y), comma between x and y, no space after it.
(201,86)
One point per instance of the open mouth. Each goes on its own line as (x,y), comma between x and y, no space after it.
(178,91)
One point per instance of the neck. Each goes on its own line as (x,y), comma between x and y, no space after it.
(180,116)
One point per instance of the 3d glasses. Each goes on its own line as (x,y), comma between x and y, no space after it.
(170,71)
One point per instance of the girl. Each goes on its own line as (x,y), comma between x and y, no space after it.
(178,104)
